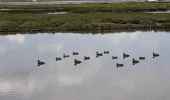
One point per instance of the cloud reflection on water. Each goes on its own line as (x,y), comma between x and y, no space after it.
(18,39)
(97,79)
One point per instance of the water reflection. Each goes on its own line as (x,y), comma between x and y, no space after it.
(58,13)
(159,12)
(4,9)
(66,2)
(18,39)
(95,79)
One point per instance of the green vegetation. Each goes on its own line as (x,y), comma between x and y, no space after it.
(85,17)
(83,21)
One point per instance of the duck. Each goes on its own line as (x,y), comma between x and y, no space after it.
(134,61)
(40,63)
(119,65)
(65,56)
(106,52)
(141,58)
(155,55)
(86,58)
(114,57)
(77,62)
(98,54)
(125,55)
(57,58)
(75,53)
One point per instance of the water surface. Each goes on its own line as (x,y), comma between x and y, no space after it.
(69,2)
(96,79)
(57,13)
(159,12)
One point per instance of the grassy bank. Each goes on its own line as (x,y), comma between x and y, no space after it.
(101,19)
(83,21)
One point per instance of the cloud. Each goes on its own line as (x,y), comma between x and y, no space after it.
(17,39)
(51,47)
(9,86)
(2,49)
(68,80)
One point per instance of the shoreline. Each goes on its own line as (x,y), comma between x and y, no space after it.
(84,30)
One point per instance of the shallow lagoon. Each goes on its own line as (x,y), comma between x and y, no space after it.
(67,2)
(96,79)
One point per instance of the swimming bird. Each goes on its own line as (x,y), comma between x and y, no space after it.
(119,65)
(75,53)
(98,54)
(76,62)
(114,57)
(134,61)
(86,58)
(125,55)
(155,55)
(40,63)
(141,58)
(65,56)
(106,52)
(57,58)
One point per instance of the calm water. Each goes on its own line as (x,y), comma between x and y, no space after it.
(159,12)
(68,2)
(96,79)
(57,13)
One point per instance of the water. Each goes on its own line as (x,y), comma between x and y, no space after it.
(96,79)
(159,12)
(52,2)
(70,2)
(57,13)
(5,9)
(32,2)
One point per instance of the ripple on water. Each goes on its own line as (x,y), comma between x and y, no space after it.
(57,13)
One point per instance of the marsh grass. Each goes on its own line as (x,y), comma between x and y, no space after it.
(85,17)
(83,21)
